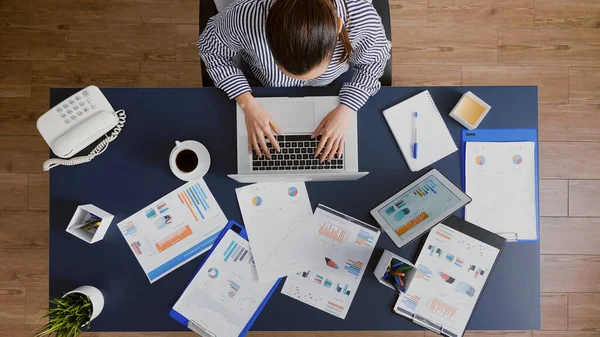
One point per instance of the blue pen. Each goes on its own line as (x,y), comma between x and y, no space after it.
(415,142)
(397,264)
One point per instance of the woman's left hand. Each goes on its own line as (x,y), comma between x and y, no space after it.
(333,130)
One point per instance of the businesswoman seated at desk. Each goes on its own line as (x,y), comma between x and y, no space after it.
(296,43)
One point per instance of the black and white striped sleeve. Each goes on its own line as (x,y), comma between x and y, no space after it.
(371,50)
(218,44)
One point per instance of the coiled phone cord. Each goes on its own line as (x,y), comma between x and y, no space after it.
(101,147)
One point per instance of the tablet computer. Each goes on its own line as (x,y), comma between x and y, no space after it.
(418,207)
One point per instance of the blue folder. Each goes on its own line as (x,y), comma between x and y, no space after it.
(506,135)
(242,232)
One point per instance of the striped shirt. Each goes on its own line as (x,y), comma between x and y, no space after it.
(240,28)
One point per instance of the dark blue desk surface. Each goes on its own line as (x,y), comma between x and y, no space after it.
(134,171)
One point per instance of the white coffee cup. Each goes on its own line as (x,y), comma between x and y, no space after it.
(189,160)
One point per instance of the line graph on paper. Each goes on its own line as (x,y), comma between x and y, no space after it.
(211,311)
(282,239)
(215,306)
(499,203)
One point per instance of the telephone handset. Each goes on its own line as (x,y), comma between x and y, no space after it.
(77,122)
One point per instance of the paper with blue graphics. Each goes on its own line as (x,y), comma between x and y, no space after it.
(174,229)
(500,177)
(452,269)
(281,228)
(347,245)
(225,293)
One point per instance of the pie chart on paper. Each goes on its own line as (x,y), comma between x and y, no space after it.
(517,159)
(480,160)
(292,191)
(257,201)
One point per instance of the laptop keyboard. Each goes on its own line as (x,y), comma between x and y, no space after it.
(297,153)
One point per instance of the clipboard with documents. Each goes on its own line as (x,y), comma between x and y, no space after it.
(501,174)
(452,270)
(224,297)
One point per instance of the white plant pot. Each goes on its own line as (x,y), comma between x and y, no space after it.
(95,297)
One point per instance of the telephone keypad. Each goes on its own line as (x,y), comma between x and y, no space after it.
(78,105)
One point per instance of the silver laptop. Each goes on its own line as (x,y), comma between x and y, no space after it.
(297,118)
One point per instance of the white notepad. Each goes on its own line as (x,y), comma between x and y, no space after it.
(434,139)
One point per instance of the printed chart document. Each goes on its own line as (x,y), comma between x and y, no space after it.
(500,177)
(225,293)
(347,245)
(174,229)
(280,224)
(452,269)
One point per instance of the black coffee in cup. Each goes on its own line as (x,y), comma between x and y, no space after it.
(186,160)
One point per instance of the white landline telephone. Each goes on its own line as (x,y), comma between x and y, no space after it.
(77,122)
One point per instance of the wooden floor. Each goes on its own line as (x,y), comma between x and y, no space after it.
(554,44)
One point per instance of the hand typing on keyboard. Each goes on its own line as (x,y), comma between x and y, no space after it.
(333,130)
(297,154)
(259,124)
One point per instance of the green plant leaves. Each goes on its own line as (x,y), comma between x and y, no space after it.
(67,316)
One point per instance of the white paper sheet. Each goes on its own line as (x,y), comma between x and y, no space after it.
(500,177)
(225,292)
(280,225)
(347,245)
(451,271)
(174,229)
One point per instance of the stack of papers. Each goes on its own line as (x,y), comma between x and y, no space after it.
(280,226)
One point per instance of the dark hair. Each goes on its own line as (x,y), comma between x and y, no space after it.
(304,33)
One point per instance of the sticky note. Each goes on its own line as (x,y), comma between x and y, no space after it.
(469,110)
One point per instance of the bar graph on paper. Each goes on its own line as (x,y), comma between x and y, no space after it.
(129,229)
(442,309)
(233,288)
(333,232)
(353,267)
(196,201)
(365,238)
(410,301)
(423,272)
(236,253)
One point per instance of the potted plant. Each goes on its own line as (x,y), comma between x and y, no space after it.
(71,314)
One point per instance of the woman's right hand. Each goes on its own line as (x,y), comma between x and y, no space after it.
(259,125)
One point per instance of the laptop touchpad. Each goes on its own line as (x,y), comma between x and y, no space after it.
(294,116)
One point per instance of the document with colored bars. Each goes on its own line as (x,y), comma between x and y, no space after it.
(347,246)
(452,269)
(225,293)
(174,229)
